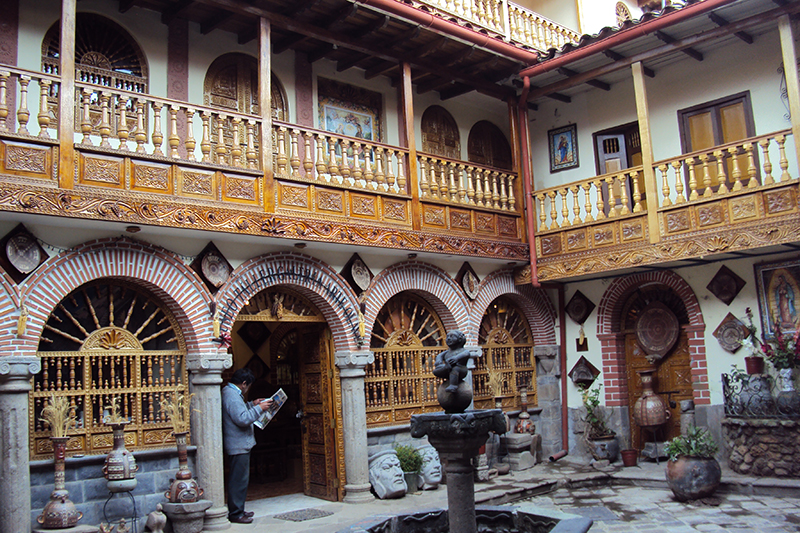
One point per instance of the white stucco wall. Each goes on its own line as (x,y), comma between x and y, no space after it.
(564,12)
(598,14)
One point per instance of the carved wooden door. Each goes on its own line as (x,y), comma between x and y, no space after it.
(488,146)
(440,133)
(672,382)
(319,445)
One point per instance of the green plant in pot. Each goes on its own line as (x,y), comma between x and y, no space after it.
(410,463)
(692,470)
(600,439)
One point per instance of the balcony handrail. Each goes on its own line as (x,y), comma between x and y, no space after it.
(30,73)
(722,147)
(569,35)
(463,162)
(578,183)
(354,140)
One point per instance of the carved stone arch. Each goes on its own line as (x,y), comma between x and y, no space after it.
(231,83)
(487,146)
(440,134)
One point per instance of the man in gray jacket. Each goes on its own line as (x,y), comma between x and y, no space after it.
(238,416)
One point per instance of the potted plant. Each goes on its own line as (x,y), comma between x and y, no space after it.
(601,440)
(692,470)
(753,363)
(410,463)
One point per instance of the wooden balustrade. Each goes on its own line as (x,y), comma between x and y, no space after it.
(457,182)
(531,29)
(724,169)
(319,156)
(29,99)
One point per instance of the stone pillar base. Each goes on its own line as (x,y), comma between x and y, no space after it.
(216,519)
(519,455)
(358,493)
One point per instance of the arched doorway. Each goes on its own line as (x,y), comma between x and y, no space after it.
(488,146)
(284,339)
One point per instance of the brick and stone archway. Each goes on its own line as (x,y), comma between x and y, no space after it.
(309,276)
(609,326)
(534,303)
(429,282)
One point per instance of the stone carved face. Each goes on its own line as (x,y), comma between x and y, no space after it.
(431,474)
(386,476)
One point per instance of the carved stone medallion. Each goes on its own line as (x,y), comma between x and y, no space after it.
(730,333)
(361,274)
(23,252)
(215,269)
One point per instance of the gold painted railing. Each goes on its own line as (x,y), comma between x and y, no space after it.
(15,86)
(518,368)
(319,156)
(457,182)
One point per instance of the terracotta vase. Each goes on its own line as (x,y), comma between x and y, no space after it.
(524,424)
(754,364)
(691,478)
(649,411)
(59,512)
(629,457)
(120,466)
(183,489)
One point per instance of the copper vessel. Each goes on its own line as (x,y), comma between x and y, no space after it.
(649,411)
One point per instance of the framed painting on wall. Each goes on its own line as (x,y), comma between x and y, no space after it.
(778,286)
(348,110)
(563,143)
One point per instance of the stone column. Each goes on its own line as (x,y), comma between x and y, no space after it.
(354,422)
(15,477)
(548,391)
(206,378)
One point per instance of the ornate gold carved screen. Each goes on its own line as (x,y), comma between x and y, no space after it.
(108,339)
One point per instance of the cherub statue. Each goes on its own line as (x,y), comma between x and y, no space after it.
(451,364)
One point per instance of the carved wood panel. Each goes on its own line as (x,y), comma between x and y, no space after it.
(440,133)
(488,146)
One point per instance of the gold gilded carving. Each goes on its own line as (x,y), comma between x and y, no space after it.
(102,441)
(330,201)
(551,244)
(779,201)
(26,159)
(111,339)
(158,436)
(372,418)
(576,240)
(150,177)
(522,275)
(743,207)
(507,226)
(603,236)
(460,219)
(102,170)
(313,388)
(296,196)
(363,205)
(197,183)
(710,215)
(631,231)
(244,189)
(434,216)
(394,210)
(677,221)
(484,222)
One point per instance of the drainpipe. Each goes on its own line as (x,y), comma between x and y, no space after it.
(527,177)
(624,36)
(562,317)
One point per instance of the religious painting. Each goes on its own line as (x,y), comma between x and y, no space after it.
(563,144)
(778,286)
(348,110)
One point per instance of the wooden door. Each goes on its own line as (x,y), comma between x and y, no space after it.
(319,446)
(673,382)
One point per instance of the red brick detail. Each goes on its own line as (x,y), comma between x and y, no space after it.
(9,308)
(534,303)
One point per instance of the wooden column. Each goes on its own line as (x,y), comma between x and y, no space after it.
(407,137)
(650,188)
(66,96)
(178,70)
(792,86)
(265,108)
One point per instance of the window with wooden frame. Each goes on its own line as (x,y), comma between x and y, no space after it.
(617,149)
(720,122)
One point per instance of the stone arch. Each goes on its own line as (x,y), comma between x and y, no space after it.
(428,281)
(533,302)
(312,278)
(154,268)
(609,325)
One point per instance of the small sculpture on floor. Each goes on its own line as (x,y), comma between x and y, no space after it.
(386,476)
(157,521)
(431,473)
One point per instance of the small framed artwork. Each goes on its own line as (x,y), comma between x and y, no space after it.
(778,287)
(563,144)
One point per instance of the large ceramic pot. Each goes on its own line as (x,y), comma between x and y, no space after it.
(691,478)
(604,448)
(183,489)
(649,411)
(120,466)
(524,424)
(755,398)
(59,512)
(788,400)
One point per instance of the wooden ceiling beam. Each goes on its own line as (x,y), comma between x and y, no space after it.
(175,11)
(298,6)
(367,29)
(357,58)
(320,52)
(594,83)
(380,68)
(719,21)
(288,42)
(614,56)
(689,51)
(125,5)
(457,90)
(215,21)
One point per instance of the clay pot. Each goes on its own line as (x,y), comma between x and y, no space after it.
(604,448)
(629,457)
(412,479)
(649,411)
(754,364)
(120,466)
(524,424)
(691,478)
(59,512)
(183,489)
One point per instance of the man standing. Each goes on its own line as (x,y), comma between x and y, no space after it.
(238,416)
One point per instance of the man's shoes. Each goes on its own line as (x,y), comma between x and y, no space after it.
(248,514)
(242,519)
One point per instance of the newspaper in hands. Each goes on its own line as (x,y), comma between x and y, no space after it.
(278,399)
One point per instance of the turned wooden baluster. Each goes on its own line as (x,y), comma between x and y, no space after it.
(503,192)
(141,135)
(722,177)
(22,113)
(564,209)
(190,144)
(612,200)
(390,179)
(86,119)
(665,190)
(205,142)
(4,76)
(637,194)
(487,190)
(736,173)
(434,179)
(44,110)
(308,156)
(598,186)
(105,127)
(764,144)
(478,188)
(679,197)
(784,163)
(380,177)
(623,186)
(333,165)
(294,161)
(512,199)
(423,182)
(553,212)
(358,172)
(157,137)
(452,192)
(221,150)
(123,133)
(542,214)
(576,206)
(401,173)
(752,183)
(470,188)
(173,140)
(236,144)
(707,176)
(321,168)
(587,198)
(692,179)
